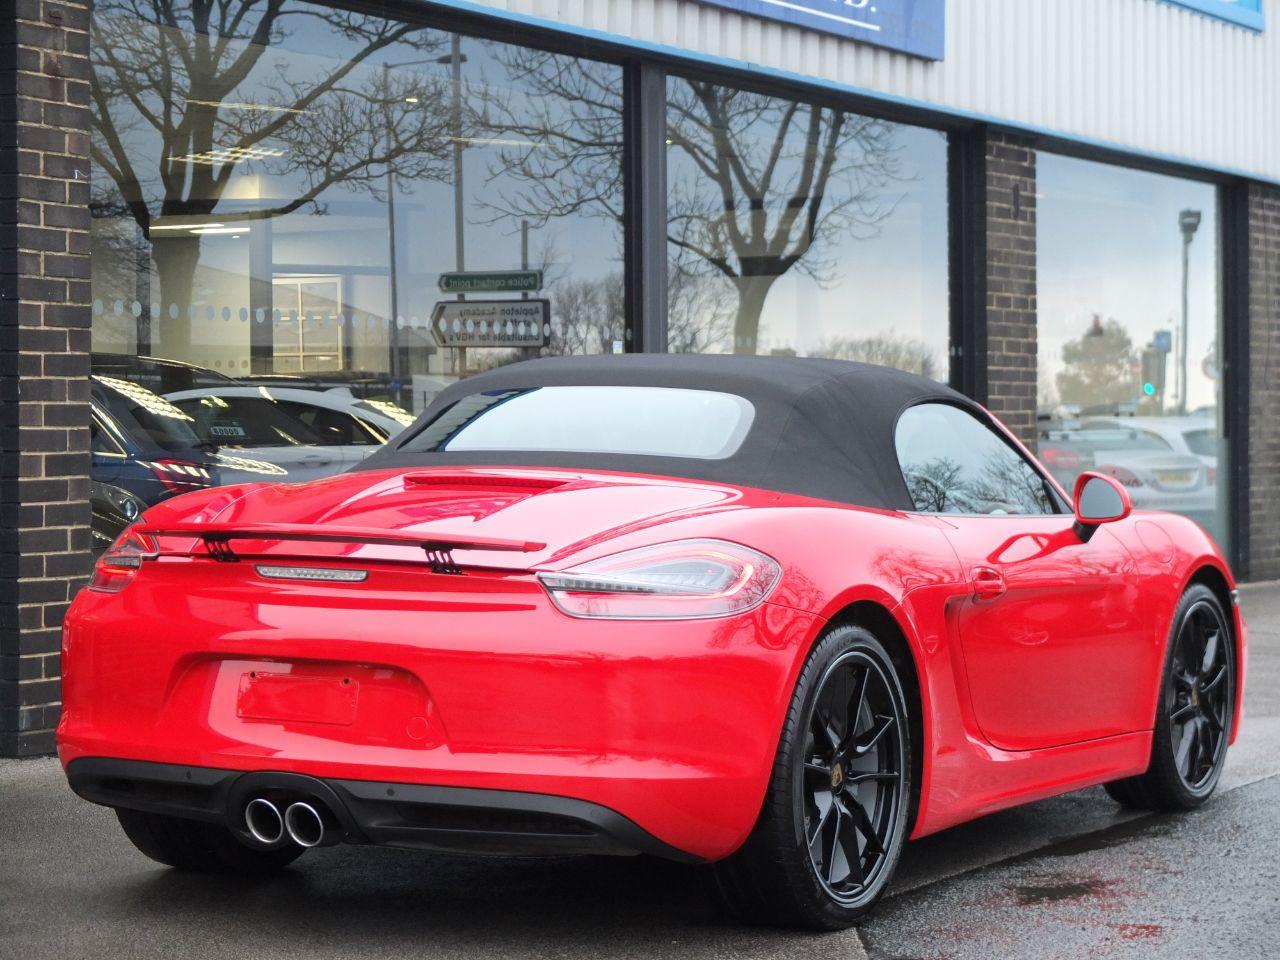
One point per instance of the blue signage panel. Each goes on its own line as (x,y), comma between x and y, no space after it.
(912,26)
(1246,13)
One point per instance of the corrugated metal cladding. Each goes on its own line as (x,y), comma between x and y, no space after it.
(1145,75)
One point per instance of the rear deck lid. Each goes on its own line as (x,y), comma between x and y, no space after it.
(487,517)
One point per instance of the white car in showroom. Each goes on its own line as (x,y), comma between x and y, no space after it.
(307,433)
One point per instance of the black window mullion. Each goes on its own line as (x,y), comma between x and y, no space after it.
(645,152)
(966,176)
(1234,333)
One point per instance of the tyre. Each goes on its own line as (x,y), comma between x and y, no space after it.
(834,818)
(1194,711)
(200,846)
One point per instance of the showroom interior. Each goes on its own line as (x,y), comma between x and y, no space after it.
(248,240)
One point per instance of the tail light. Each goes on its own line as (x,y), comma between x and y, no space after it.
(181,476)
(1058,458)
(687,579)
(117,567)
(1127,477)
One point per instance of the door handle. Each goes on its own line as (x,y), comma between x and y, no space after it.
(988,583)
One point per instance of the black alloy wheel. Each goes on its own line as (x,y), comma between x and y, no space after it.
(852,779)
(1195,695)
(1195,710)
(835,814)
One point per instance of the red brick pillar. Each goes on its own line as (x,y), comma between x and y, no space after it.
(1010,168)
(1262,561)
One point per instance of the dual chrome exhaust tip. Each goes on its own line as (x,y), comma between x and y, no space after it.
(301,822)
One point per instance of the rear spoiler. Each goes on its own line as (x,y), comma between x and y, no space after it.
(438,547)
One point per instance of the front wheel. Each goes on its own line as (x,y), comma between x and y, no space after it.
(835,814)
(1193,720)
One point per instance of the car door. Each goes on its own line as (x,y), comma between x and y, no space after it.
(1052,627)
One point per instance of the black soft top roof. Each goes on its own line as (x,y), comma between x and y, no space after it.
(822,428)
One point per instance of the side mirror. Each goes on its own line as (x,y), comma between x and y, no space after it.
(1099,499)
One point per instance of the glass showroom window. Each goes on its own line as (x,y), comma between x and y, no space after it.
(801,229)
(336,209)
(1130,371)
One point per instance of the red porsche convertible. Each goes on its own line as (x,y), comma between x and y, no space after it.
(770,614)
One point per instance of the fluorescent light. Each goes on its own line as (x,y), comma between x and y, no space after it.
(257,107)
(229,155)
(184,226)
(497,142)
(215,230)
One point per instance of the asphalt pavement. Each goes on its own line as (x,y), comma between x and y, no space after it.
(1069,877)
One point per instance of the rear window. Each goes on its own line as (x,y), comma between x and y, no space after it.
(1203,443)
(649,421)
(246,422)
(148,417)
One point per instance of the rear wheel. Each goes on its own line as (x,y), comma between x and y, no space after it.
(834,818)
(197,845)
(1193,721)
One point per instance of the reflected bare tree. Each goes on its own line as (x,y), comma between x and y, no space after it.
(1007,482)
(558,121)
(759,186)
(588,315)
(763,185)
(208,81)
(936,485)
(699,317)
(903,353)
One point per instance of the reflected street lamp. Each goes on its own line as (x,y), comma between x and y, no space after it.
(1188,223)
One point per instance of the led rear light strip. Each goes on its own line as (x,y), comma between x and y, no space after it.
(327,574)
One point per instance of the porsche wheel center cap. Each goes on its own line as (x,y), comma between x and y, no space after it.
(837,777)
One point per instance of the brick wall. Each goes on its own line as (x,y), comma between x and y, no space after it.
(44,362)
(1010,281)
(1264,382)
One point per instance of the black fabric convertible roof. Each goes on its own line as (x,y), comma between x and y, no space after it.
(822,428)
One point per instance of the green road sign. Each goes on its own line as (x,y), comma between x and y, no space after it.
(495,281)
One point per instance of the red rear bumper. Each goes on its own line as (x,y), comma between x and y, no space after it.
(417,678)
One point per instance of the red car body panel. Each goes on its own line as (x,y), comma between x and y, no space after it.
(480,681)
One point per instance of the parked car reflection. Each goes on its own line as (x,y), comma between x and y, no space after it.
(1192,436)
(334,414)
(155,373)
(112,509)
(1140,453)
(145,445)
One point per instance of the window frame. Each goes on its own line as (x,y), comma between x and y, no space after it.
(1061,503)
